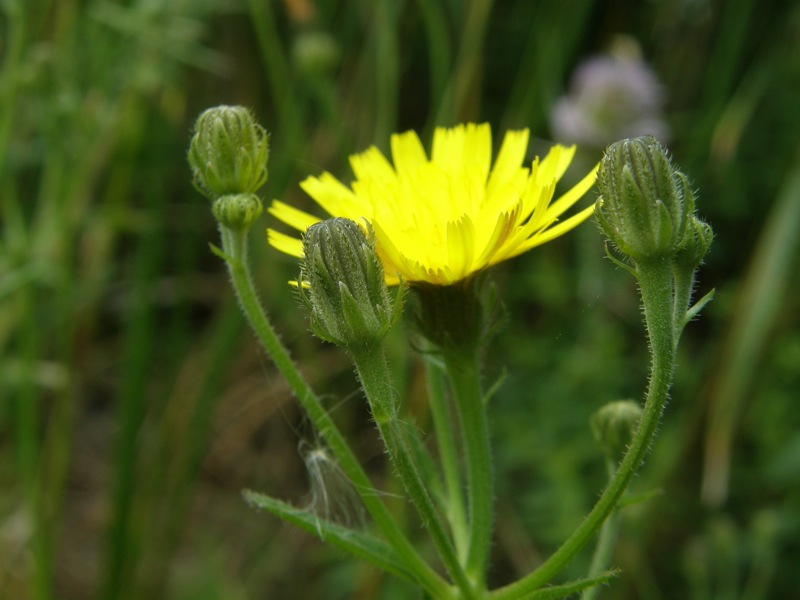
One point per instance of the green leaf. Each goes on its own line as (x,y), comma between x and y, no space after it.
(568,589)
(359,544)
(699,305)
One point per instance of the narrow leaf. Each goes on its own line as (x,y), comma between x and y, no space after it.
(359,544)
(568,589)
(698,306)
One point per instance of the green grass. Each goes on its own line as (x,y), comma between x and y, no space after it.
(135,405)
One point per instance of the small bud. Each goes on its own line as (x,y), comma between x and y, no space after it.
(228,152)
(613,426)
(346,288)
(237,211)
(645,200)
(696,243)
(315,53)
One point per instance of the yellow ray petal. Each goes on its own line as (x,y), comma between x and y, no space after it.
(511,156)
(573,195)
(292,216)
(285,243)
(460,246)
(334,197)
(555,163)
(500,234)
(372,165)
(407,153)
(554,232)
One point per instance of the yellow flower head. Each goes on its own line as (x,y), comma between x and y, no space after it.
(441,219)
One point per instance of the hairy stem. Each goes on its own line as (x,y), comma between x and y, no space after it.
(376,381)
(655,285)
(234,248)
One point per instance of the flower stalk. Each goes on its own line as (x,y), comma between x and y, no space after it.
(234,251)
(219,138)
(647,211)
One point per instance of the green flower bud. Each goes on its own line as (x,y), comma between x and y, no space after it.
(696,242)
(237,211)
(613,426)
(645,200)
(228,152)
(315,53)
(346,288)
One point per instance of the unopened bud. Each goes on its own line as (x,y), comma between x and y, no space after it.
(696,242)
(613,426)
(315,53)
(237,211)
(346,287)
(645,200)
(228,152)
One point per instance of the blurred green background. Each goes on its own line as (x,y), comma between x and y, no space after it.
(135,406)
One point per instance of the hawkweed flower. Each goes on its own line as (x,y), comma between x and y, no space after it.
(442,219)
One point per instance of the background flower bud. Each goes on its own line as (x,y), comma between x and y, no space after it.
(645,200)
(613,426)
(347,295)
(228,152)
(315,53)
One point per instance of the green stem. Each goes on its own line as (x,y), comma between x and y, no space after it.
(373,372)
(448,455)
(683,284)
(655,285)
(234,246)
(605,544)
(464,374)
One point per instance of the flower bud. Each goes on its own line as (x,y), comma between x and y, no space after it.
(645,200)
(346,288)
(613,426)
(315,53)
(228,152)
(695,244)
(237,211)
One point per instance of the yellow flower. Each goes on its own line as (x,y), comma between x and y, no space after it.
(441,219)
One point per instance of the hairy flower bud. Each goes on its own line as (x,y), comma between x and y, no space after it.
(696,243)
(645,201)
(237,211)
(613,426)
(346,288)
(228,152)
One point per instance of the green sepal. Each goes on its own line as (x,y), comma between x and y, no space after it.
(618,262)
